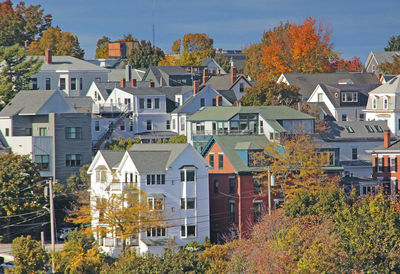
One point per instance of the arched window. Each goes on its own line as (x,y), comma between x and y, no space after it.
(374,102)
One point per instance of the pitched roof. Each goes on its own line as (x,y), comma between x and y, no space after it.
(394,147)
(355,131)
(80,102)
(384,56)
(393,86)
(112,157)
(68,63)
(220,82)
(230,145)
(29,102)
(228,95)
(309,81)
(149,158)
(222,113)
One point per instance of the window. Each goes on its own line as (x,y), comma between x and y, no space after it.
(362,117)
(153,179)
(385,103)
(211,159)
(344,117)
(179,101)
(271,136)
(190,175)
(122,126)
(98,79)
(80,83)
(73,133)
(349,129)
(168,125)
(97,125)
(216,186)
(149,103)
(141,103)
(374,103)
(73,83)
(393,164)
(130,125)
(48,83)
(62,83)
(188,231)
(173,124)
(378,128)
(241,87)
(380,164)
(231,211)
(256,185)
(214,102)
(349,97)
(101,176)
(34,83)
(220,161)
(188,203)
(232,186)
(73,160)
(156,232)
(7,132)
(320,97)
(149,125)
(261,127)
(182,123)
(43,161)
(369,129)
(157,103)
(257,209)
(155,203)
(28,131)
(354,154)
(43,131)
(202,102)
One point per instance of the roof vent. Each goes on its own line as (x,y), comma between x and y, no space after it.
(345,82)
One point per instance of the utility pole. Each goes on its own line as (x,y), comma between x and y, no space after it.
(52,226)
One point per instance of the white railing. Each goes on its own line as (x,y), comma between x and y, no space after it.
(107,107)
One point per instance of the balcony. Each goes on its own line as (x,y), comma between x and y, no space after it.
(111,108)
(223,132)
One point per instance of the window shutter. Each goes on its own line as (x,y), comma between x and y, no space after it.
(395,164)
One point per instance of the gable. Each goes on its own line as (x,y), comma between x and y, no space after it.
(216,150)
(56,104)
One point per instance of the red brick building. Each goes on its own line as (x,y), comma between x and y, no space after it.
(385,162)
(235,199)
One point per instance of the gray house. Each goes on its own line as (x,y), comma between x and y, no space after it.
(376,58)
(172,75)
(44,126)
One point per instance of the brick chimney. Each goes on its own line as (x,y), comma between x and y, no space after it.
(48,56)
(386,138)
(133,83)
(219,100)
(196,87)
(26,43)
(123,83)
(205,75)
(151,84)
(233,75)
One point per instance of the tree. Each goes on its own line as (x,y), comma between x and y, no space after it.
(22,23)
(60,43)
(176,47)
(169,60)
(112,215)
(15,72)
(102,47)
(391,67)
(174,140)
(20,192)
(29,256)
(223,61)
(270,93)
(393,44)
(253,66)
(198,43)
(121,143)
(145,55)
(353,65)
(79,255)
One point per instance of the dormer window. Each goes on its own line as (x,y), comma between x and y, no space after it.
(349,97)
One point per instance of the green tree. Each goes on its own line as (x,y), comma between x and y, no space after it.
(393,44)
(269,93)
(15,72)
(121,143)
(20,189)
(223,61)
(79,255)
(102,47)
(60,43)
(29,256)
(145,55)
(22,23)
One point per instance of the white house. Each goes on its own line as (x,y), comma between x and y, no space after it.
(383,104)
(343,102)
(70,75)
(174,174)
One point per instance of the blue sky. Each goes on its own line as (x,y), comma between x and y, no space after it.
(357,26)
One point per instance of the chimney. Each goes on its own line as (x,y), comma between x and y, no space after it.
(205,75)
(133,83)
(196,87)
(219,100)
(151,84)
(48,56)
(123,83)
(26,43)
(386,139)
(233,75)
